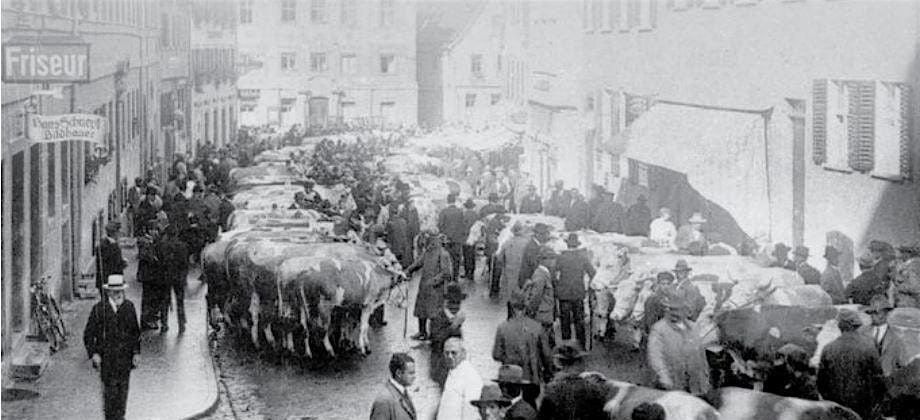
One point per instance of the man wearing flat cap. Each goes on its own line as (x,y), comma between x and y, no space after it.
(850,372)
(112,341)
(809,274)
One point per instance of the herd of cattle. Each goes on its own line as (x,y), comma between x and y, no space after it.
(283,279)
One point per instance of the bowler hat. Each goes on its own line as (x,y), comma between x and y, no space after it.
(801,251)
(115,282)
(469,203)
(491,394)
(518,300)
(572,240)
(493,196)
(511,374)
(454,293)
(878,303)
(780,249)
(880,246)
(569,351)
(682,266)
(541,228)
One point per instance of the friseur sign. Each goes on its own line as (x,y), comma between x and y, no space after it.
(45,60)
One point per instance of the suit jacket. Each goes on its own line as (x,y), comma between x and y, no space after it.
(809,274)
(572,266)
(529,262)
(889,349)
(450,223)
(116,336)
(531,205)
(850,374)
(521,341)
(541,298)
(391,404)
(521,410)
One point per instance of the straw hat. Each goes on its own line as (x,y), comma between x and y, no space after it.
(115,282)
(697,218)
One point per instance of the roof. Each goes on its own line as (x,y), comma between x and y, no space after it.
(443,22)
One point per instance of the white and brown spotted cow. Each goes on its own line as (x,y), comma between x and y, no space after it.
(747,404)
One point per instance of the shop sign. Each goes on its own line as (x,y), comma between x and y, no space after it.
(66,127)
(40,62)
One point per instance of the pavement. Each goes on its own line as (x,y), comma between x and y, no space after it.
(175,378)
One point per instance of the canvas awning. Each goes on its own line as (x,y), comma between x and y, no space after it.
(722,153)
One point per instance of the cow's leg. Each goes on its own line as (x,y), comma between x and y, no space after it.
(254,314)
(363,341)
(306,331)
(327,344)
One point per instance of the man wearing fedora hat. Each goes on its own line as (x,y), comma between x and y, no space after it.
(451,224)
(435,266)
(781,257)
(578,214)
(694,299)
(492,404)
(112,341)
(810,275)
(511,381)
(675,350)
(690,237)
(572,267)
(832,279)
(558,202)
(531,258)
(470,216)
(569,359)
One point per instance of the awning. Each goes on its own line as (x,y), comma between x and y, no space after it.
(722,153)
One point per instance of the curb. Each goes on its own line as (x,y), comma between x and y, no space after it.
(210,409)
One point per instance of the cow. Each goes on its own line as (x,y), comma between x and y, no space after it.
(617,400)
(747,404)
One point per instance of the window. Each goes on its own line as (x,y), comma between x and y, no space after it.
(387,63)
(288,61)
(470,100)
(892,145)
(318,62)
(348,64)
(387,12)
(648,15)
(680,4)
(597,14)
(349,12)
(496,98)
(318,11)
(623,18)
(246,11)
(288,10)
(476,65)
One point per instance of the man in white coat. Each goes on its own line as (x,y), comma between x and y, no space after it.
(662,230)
(462,387)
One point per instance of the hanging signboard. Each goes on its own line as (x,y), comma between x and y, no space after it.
(66,127)
(45,60)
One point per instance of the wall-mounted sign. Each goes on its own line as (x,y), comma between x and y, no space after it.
(79,127)
(37,60)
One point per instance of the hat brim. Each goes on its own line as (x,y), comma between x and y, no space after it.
(521,382)
(682,269)
(480,403)
(115,287)
(697,221)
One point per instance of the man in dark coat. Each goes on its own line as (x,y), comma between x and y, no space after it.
(638,218)
(435,266)
(173,255)
(522,341)
(558,203)
(413,226)
(450,223)
(577,216)
(177,212)
(809,274)
(112,341)
(531,203)
(511,380)
(493,207)
(148,267)
(110,259)
(470,216)
(531,258)
(609,217)
(446,324)
(867,284)
(572,267)
(850,372)
(147,210)
(831,278)
(397,231)
(790,375)
(393,402)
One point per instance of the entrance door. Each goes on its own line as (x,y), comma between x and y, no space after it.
(388,112)
(319,111)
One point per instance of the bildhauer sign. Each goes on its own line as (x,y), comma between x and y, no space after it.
(78,127)
(45,61)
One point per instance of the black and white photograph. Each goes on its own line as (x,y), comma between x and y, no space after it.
(460,209)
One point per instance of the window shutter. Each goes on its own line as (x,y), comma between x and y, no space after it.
(633,14)
(653,13)
(614,15)
(905,131)
(861,125)
(819,121)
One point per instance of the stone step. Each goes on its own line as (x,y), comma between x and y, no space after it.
(30,360)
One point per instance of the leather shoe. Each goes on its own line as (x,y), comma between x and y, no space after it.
(420,337)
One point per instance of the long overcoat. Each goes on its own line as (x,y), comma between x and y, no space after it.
(512,255)
(676,357)
(435,271)
(522,341)
(115,336)
(851,374)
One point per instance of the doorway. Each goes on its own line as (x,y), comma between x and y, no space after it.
(319,111)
